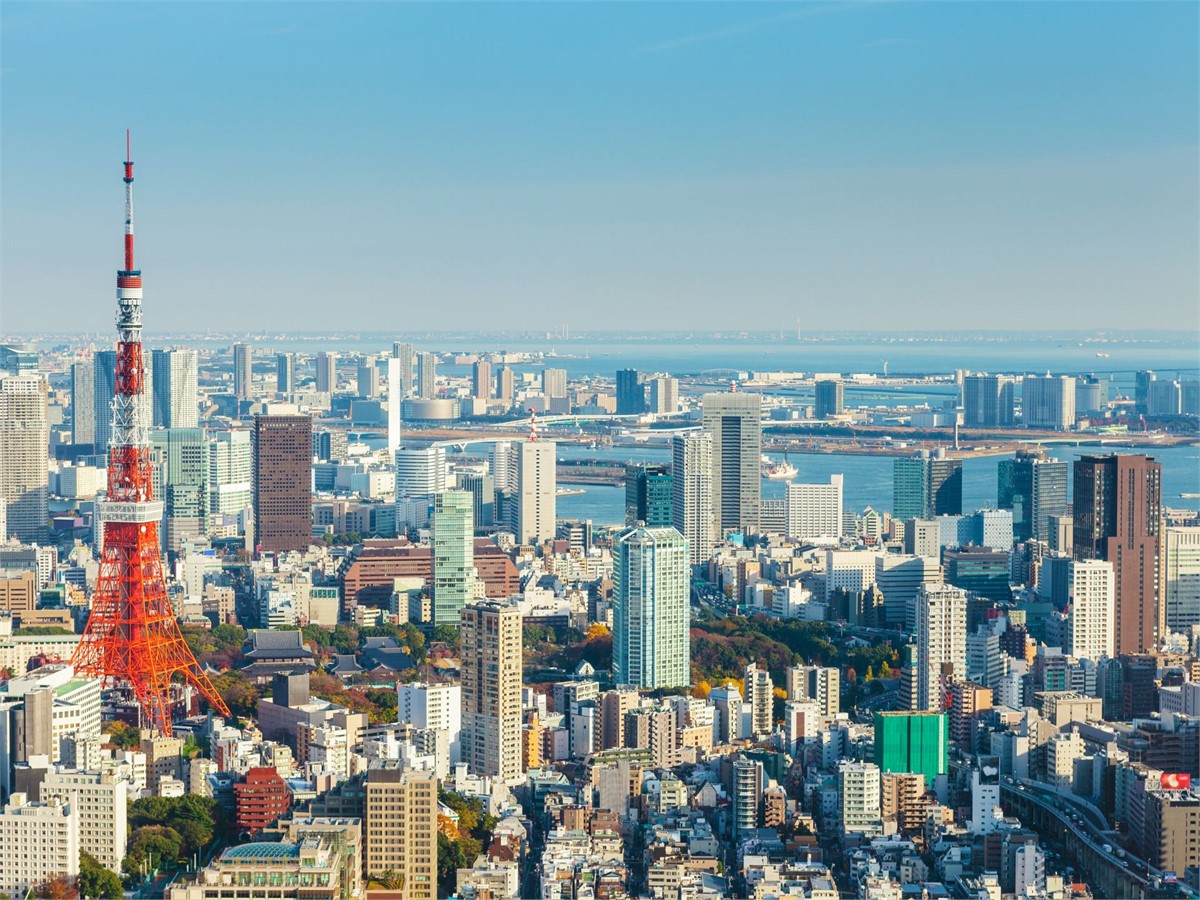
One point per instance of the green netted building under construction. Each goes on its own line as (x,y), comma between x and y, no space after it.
(912,742)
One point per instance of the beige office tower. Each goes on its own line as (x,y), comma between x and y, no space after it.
(537,486)
(400,828)
(760,697)
(24,455)
(491,689)
(735,423)
(692,493)
(820,684)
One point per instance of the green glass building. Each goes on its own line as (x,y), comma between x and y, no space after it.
(912,742)
(453,538)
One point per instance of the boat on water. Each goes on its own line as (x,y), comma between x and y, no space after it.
(1102,354)
(777,471)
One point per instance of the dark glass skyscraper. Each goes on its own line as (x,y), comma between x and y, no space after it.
(648,490)
(924,486)
(631,393)
(829,398)
(282,482)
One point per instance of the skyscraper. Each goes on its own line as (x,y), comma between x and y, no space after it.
(648,492)
(420,473)
(427,375)
(760,698)
(230,472)
(1034,487)
(282,482)
(692,512)
(453,539)
(651,609)
(1048,401)
(941,640)
(1093,609)
(181,480)
(506,385)
(368,378)
(735,423)
(1141,391)
(481,379)
(664,395)
(24,455)
(1181,577)
(925,485)
(406,355)
(243,371)
(83,402)
(175,399)
(491,689)
(829,398)
(987,401)
(400,813)
(483,494)
(631,393)
(326,372)
(285,372)
(1117,517)
(554,383)
(536,490)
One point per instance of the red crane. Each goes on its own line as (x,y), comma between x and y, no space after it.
(132,638)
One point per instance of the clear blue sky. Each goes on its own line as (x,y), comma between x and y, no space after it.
(401,166)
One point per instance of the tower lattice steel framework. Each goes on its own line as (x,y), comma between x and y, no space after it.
(132,637)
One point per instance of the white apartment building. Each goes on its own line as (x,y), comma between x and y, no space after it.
(1092,617)
(436,706)
(941,639)
(851,571)
(101,799)
(859,796)
(814,511)
(38,842)
(692,493)
(1181,577)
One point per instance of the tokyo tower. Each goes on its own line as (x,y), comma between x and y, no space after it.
(132,637)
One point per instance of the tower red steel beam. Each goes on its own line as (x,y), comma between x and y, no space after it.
(132,637)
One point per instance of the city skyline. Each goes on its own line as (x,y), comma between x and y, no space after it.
(615,160)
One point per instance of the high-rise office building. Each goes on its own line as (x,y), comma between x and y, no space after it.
(1093,609)
(105,384)
(326,372)
(734,421)
(282,482)
(175,399)
(491,689)
(554,383)
(1034,487)
(631,393)
(400,828)
(83,402)
(481,379)
(1048,401)
(648,492)
(987,401)
(759,694)
(1141,391)
(181,481)
(664,395)
(941,640)
(915,742)
(1117,517)
(24,455)
(453,539)
(395,386)
(1091,395)
(814,511)
(829,398)
(1181,577)
(230,472)
(926,485)
(427,375)
(506,385)
(285,373)
(368,378)
(243,371)
(483,497)
(1165,400)
(692,512)
(651,609)
(536,490)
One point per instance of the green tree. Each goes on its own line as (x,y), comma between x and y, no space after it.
(97,881)
(446,634)
(127,737)
(238,693)
(155,845)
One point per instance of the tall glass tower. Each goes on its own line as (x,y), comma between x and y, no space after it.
(453,536)
(651,609)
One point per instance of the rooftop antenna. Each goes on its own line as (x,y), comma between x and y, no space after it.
(533,435)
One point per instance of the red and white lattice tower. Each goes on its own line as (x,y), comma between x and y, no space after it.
(132,639)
